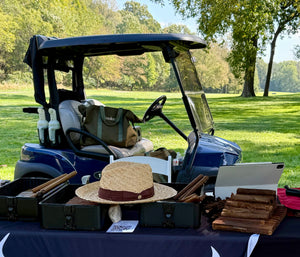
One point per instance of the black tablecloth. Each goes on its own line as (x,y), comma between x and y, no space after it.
(285,241)
(28,239)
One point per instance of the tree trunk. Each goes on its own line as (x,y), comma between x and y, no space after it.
(248,90)
(270,65)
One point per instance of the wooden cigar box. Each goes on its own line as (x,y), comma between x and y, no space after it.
(63,210)
(14,207)
(171,214)
(251,211)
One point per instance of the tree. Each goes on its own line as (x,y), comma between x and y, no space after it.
(285,77)
(7,40)
(139,71)
(129,23)
(60,18)
(107,9)
(287,18)
(143,15)
(214,71)
(297,52)
(100,68)
(150,71)
(29,22)
(261,70)
(177,28)
(246,21)
(7,30)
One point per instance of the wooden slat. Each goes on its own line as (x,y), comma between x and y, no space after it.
(258,226)
(251,206)
(239,212)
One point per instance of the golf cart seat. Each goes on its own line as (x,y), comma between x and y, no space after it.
(71,121)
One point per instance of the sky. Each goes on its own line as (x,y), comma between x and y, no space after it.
(166,15)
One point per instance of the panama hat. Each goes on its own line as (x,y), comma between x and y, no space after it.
(125,183)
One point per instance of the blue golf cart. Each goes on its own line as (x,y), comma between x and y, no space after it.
(60,123)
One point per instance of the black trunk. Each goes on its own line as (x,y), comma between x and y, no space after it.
(248,90)
(270,65)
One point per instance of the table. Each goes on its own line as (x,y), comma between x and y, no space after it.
(28,239)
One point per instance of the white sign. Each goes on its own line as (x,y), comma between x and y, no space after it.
(123,226)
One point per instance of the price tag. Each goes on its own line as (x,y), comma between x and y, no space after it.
(123,226)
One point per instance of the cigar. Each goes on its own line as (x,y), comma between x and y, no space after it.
(38,188)
(189,198)
(188,186)
(267,199)
(237,223)
(245,213)
(249,205)
(194,198)
(252,191)
(200,183)
(47,186)
(215,207)
(57,182)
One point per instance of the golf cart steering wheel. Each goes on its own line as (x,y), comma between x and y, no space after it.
(155,108)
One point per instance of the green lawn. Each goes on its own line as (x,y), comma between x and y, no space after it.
(267,129)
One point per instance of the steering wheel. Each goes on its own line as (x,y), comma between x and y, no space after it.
(155,108)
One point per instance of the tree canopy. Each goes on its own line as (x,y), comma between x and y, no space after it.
(286,18)
(249,25)
(218,66)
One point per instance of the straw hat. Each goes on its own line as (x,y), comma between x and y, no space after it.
(125,183)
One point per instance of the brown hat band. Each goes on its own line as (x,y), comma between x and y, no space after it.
(125,195)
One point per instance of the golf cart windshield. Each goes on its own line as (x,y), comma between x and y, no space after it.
(193,90)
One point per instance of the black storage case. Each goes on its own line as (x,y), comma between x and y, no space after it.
(171,214)
(56,214)
(13,207)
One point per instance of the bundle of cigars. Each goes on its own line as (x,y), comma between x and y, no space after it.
(250,204)
(251,211)
(44,188)
(212,207)
(188,193)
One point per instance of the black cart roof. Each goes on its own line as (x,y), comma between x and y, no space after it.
(120,44)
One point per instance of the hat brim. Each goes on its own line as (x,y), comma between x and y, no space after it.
(89,192)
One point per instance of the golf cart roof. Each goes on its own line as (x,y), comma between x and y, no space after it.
(120,44)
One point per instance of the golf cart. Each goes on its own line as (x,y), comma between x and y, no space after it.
(60,151)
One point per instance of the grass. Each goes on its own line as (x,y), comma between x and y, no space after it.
(267,129)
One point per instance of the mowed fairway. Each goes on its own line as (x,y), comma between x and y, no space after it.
(266,128)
